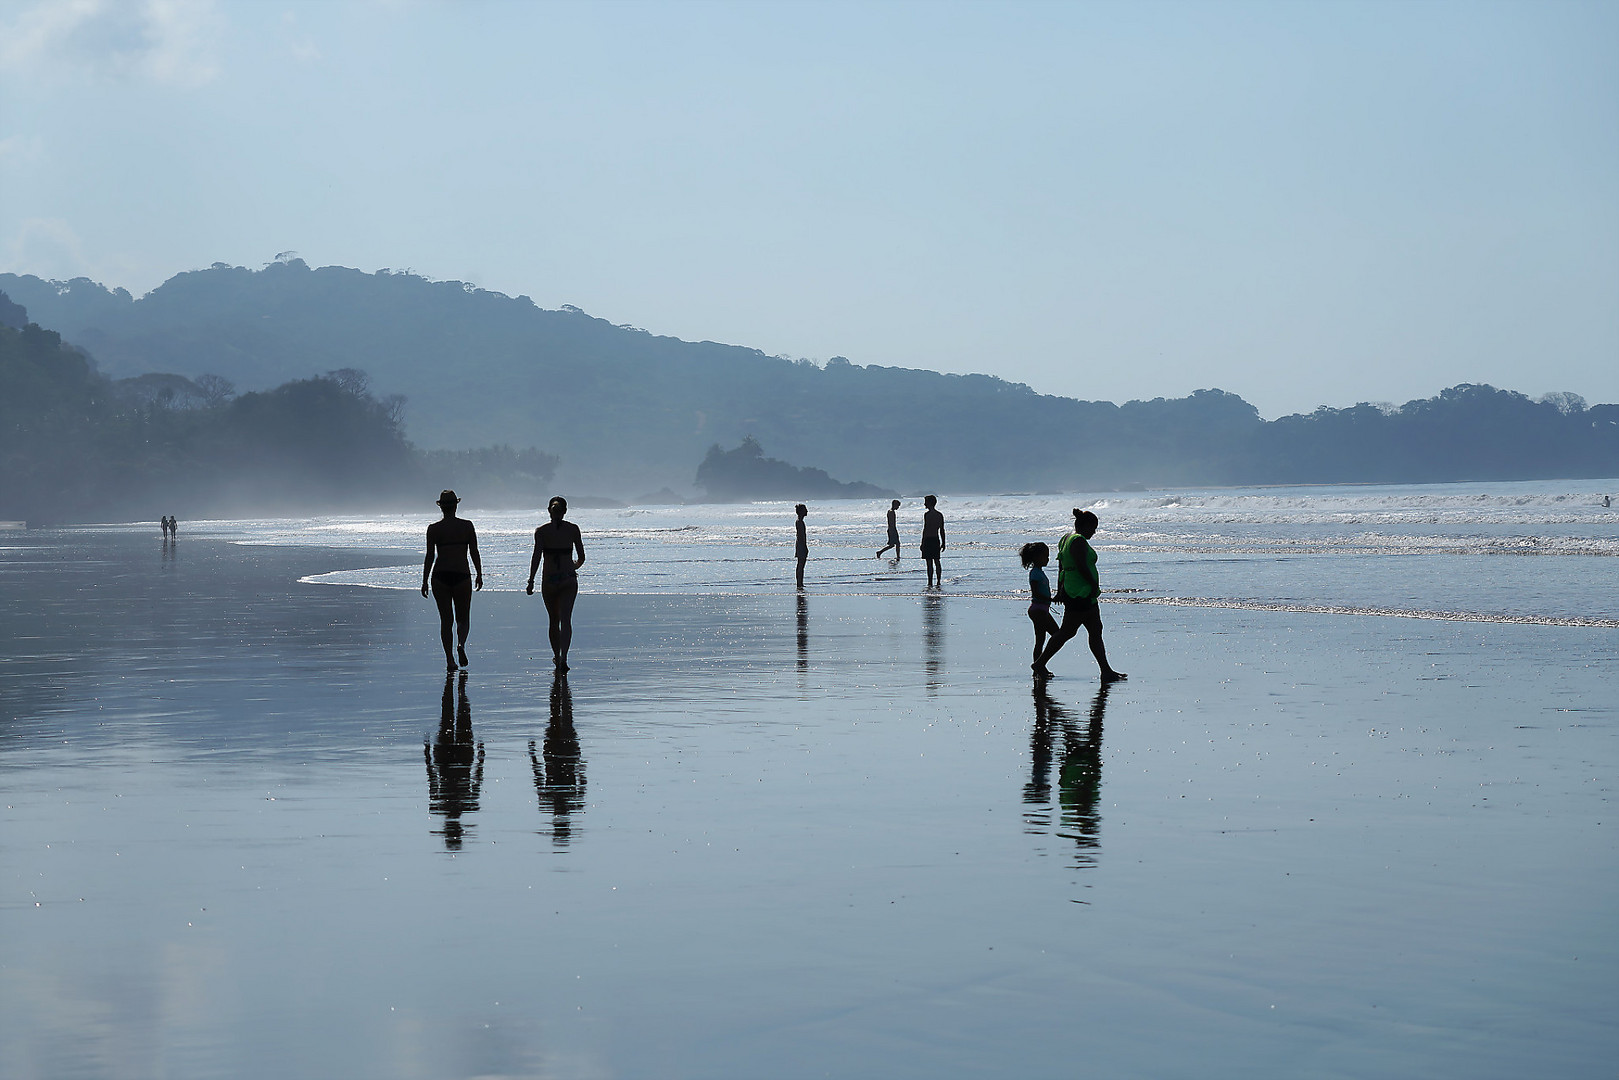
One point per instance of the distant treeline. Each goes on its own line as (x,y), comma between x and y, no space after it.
(629,411)
(75,445)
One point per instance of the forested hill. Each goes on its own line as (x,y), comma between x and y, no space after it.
(627,411)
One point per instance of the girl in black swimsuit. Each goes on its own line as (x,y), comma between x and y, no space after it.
(450,542)
(555,543)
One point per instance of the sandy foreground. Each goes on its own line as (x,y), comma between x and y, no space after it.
(249,830)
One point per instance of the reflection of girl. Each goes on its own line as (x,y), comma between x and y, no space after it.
(1035,556)
(554,544)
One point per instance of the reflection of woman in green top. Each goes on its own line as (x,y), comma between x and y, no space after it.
(1078,589)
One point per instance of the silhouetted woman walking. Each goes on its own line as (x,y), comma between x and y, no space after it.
(450,542)
(554,545)
(1079,588)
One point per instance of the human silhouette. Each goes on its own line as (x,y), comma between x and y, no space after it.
(932,540)
(893,531)
(800,541)
(1035,557)
(163,523)
(450,542)
(454,763)
(559,768)
(555,543)
(1078,589)
(1079,772)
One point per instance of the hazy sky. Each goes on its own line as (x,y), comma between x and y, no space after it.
(1303,203)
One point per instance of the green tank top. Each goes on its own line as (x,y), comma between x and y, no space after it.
(1071,579)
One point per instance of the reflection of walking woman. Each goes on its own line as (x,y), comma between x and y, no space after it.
(559,768)
(454,763)
(554,544)
(450,541)
(1079,590)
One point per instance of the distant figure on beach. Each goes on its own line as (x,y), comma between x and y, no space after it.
(559,768)
(450,542)
(893,531)
(932,539)
(800,542)
(555,543)
(1607,501)
(1078,590)
(163,523)
(1035,557)
(169,527)
(454,762)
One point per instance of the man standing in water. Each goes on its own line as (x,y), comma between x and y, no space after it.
(932,540)
(1078,588)
(893,531)
(450,541)
(801,542)
(555,543)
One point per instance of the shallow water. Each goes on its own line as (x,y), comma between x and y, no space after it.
(249,830)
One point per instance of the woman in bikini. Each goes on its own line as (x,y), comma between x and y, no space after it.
(555,543)
(450,542)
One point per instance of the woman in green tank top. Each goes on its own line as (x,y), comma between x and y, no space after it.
(1078,589)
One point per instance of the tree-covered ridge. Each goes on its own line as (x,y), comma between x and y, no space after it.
(745,474)
(629,411)
(75,445)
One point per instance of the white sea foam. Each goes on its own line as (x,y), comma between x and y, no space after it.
(1401,550)
(1392,613)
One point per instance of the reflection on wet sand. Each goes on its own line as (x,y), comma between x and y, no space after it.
(803,634)
(559,769)
(1079,773)
(454,763)
(933,638)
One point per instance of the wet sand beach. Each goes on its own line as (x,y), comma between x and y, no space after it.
(250,830)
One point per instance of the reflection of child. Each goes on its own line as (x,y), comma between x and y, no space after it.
(1035,556)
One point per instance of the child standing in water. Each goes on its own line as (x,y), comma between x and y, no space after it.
(1035,557)
(800,542)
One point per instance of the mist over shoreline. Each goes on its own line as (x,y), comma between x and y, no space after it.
(558,398)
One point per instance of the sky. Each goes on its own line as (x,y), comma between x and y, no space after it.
(1303,203)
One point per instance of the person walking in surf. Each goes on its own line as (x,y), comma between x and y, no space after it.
(1078,589)
(932,539)
(450,542)
(555,543)
(893,531)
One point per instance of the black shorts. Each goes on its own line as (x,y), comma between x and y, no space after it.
(450,583)
(930,549)
(1077,613)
